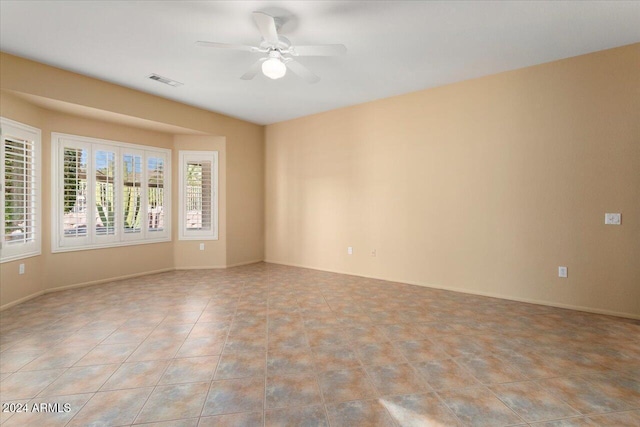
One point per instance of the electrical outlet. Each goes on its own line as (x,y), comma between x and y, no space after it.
(612,218)
(202,246)
(21,269)
(350,250)
(373,253)
(562,272)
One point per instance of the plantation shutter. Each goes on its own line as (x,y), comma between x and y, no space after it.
(198,195)
(20,191)
(75,216)
(105,187)
(133,189)
(156,183)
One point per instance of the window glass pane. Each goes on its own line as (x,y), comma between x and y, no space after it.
(132,204)
(75,192)
(198,196)
(105,192)
(155,193)
(19,191)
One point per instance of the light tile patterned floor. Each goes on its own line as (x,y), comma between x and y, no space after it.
(273,345)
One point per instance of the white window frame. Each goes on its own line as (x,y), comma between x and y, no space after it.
(33,247)
(198,156)
(59,142)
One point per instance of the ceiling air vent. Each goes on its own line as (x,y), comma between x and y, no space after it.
(164,80)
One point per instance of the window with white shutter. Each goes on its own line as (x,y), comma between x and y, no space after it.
(155,194)
(132,193)
(20,191)
(108,193)
(106,201)
(198,195)
(75,195)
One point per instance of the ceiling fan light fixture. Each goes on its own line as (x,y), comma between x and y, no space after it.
(274,68)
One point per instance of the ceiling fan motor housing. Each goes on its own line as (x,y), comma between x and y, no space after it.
(283,44)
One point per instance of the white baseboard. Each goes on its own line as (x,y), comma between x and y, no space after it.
(81,285)
(238,264)
(116,278)
(473,292)
(110,279)
(201,267)
(214,267)
(446,288)
(21,300)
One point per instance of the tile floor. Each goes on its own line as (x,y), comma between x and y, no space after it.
(282,346)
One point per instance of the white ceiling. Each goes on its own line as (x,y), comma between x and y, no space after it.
(394,47)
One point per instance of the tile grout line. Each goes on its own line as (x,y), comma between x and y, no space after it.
(206,394)
(226,338)
(159,377)
(316,371)
(266,360)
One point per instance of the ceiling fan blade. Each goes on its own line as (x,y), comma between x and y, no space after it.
(267,26)
(253,70)
(320,50)
(227,46)
(302,71)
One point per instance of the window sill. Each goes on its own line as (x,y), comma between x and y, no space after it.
(18,257)
(62,249)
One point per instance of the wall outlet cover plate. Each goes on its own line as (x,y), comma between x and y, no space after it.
(612,218)
(562,272)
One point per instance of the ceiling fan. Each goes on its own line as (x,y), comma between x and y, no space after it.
(280,53)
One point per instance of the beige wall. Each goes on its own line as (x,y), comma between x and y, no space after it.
(39,95)
(485,186)
(80,267)
(245,198)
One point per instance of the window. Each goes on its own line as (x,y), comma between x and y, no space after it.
(198,195)
(108,193)
(20,195)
